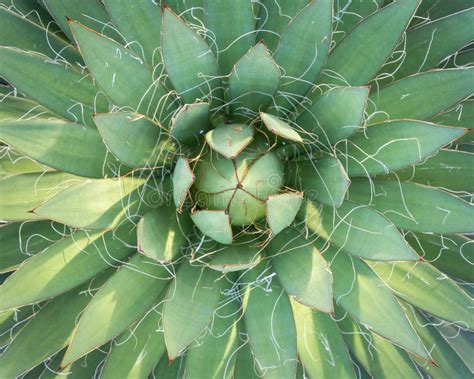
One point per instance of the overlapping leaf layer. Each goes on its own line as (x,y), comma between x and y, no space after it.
(236,189)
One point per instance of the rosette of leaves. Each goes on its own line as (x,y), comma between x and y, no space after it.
(210,188)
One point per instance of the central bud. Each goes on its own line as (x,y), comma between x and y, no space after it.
(237,180)
(241,185)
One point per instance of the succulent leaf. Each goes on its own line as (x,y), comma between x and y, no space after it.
(236,189)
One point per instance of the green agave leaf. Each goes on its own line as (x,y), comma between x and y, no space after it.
(12,321)
(280,127)
(83,368)
(301,269)
(20,194)
(406,98)
(215,173)
(323,180)
(13,163)
(378,34)
(112,66)
(461,116)
(20,241)
(190,10)
(448,169)
(274,17)
(190,303)
(139,22)
(189,62)
(137,351)
(245,208)
(102,203)
(321,348)
(190,123)
(170,370)
(253,82)
(242,254)
(378,356)
(245,365)
(363,295)
(134,139)
(302,51)
(213,355)
(334,116)
(232,39)
(19,32)
(230,140)
(61,267)
(32,11)
(162,234)
(129,293)
(448,363)
(91,13)
(460,342)
(427,288)
(214,224)
(413,206)
(183,179)
(450,254)
(77,149)
(435,9)
(13,108)
(46,333)
(263,178)
(282,210)
(429,44)
(462,58)
(59,88)
(393,145)
(270,325)
(348,14)
(358,230)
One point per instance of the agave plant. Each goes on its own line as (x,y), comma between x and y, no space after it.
(236,189)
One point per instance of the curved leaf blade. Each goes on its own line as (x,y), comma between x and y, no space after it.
(112,66)
(359,230)
(379,34)
(73,148)
(20,194)
(42,338)
(415,207)
(134,139)
(61,267)
(139,23)
(302,51)
(427,288)
(190,63)
(323,180)
(102,203)
(19,32)
(124,298)
(162,234)
(270,325)
(301,269)
(335,115)
(191,122)
(393,145)
(378,309)
(406,98)
(91,13)
(190,303)
(232,40)
(321,349)
(253,82)
(137,351)
(57,87)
